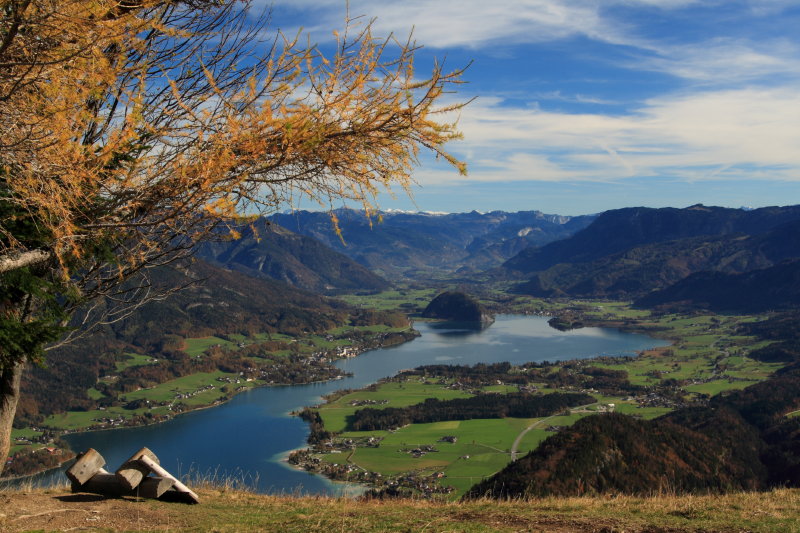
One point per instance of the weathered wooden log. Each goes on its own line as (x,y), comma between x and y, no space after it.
(159,471)
(107,484)
(76,487)
(132,472)
(87,465)
(154,486)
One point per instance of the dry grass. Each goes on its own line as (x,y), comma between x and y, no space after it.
(229,510)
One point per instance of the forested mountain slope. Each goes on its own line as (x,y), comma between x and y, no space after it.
(768,289)
(619,230)
(642,269)
(740,441)
(761,240)
(267,250)
(221,302)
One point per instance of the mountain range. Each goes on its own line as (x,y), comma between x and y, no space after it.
(415,244)
(620,254)
(628,253)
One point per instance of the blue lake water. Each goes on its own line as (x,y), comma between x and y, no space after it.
(247,437)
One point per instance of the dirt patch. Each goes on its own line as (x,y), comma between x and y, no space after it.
(64,511)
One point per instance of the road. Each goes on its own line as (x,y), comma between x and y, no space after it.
(515,446)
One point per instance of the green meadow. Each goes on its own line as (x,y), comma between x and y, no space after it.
(396,394)
(195,347)
(406,299)
(130,360)
(707,349)
(26,433)
(482,446)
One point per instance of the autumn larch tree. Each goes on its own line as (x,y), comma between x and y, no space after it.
(132,129)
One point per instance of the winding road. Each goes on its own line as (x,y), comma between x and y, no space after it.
(515,446)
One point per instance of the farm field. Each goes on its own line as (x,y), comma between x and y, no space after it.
(130,360)
(395,394)
(707,351)
(407,299)
(200,390)
(28,434)
(481,447)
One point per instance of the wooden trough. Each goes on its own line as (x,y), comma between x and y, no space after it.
(141,476)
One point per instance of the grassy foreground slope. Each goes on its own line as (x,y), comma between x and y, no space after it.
(227,510)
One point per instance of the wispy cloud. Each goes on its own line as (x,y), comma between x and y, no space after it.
(770,7)
(752,133)
(559,96)
(477,23)
(725,60)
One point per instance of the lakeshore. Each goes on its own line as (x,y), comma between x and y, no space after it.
(204,442)
(205,391)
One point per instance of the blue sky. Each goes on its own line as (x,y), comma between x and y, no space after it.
(588,105)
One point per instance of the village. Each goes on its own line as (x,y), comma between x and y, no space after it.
(418,482)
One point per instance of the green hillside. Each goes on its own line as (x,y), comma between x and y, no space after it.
(232,311)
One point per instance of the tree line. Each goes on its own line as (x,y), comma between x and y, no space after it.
(514,405)
(574,374)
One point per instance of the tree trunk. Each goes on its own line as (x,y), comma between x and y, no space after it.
(10,380)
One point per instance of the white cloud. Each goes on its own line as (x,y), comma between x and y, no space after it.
(770,7)
(442,24)
(747,134)
(572,98)
(723,61)
(478,23)
(744,124)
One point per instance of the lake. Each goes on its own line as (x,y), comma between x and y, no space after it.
(247,437)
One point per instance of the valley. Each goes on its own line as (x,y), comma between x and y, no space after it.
(429,428)
(383,266)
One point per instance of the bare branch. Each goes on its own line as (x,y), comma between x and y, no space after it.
(21,259)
